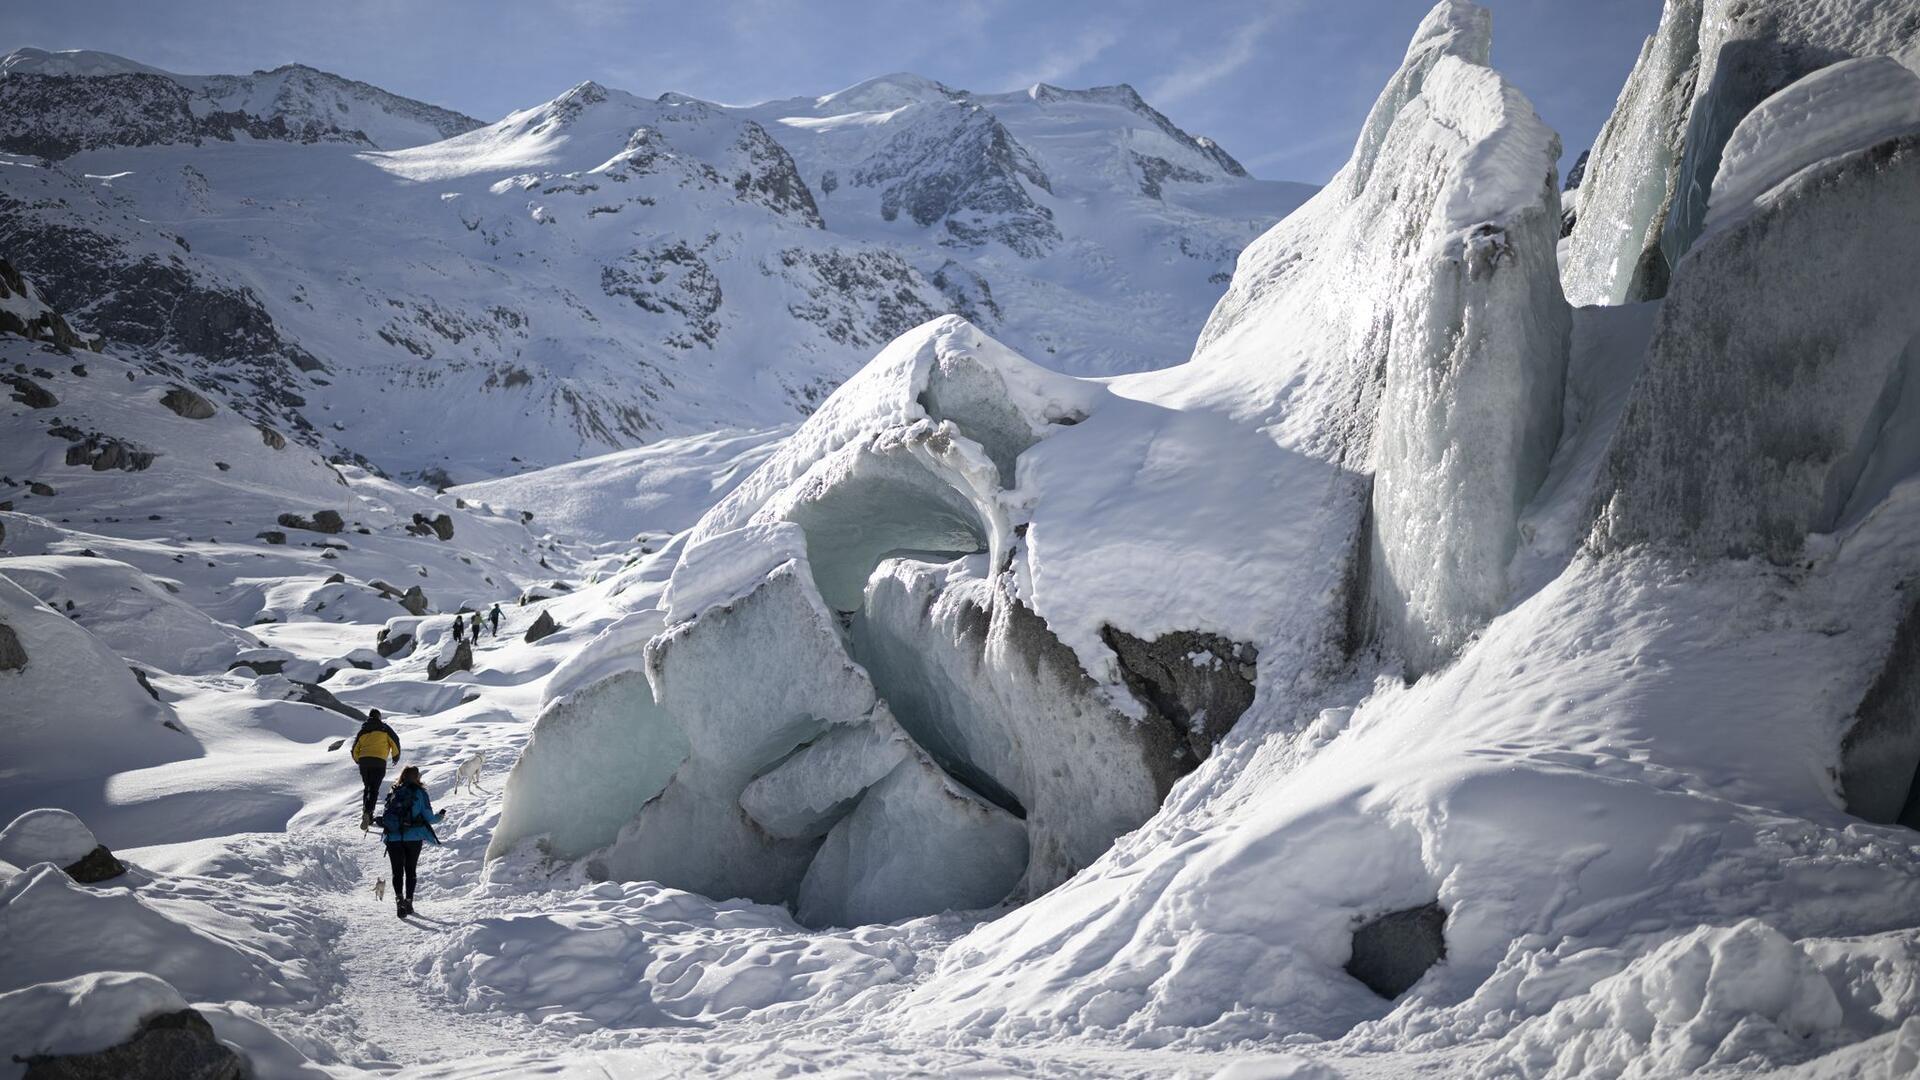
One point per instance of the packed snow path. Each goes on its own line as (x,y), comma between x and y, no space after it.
(376,953)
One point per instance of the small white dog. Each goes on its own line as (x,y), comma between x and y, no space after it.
(379,889)
(470,772)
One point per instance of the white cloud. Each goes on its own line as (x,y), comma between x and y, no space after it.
(1059,63)
(1197,72)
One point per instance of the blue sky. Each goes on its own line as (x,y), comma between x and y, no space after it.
(1281,84)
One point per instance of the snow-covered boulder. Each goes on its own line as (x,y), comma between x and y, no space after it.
(130,612)
(208,955)
(113,1023)
(46,835)
(73,709)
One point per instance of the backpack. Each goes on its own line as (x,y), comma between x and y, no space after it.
(399,814)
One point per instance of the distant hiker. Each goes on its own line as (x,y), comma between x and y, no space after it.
(407,822)
(494,618)
(459,628)
(373,747)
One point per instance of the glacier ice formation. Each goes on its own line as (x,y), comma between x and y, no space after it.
(1586,635)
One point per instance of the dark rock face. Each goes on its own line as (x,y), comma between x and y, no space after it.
(47,325)
(1200,683)
(968,294)
(42,489)
(1880,755)
(258,667)
(167,1046)
(966,177)
(185,402)
(96,865)
(273,439)
(1392,951)
(146,683)
(146,300)
(323,521)
(1156,171)
(414,600)
(272,536)
(13,656)
(461,660)
(543,626)
(1578,172)
(392,645)
(670,277)
(27,392)
(314,694)
(859,297)
(56,116)
(102,453)
(439,525)
(770,178)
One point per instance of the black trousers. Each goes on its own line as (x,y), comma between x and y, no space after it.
(372,771)
(404,856)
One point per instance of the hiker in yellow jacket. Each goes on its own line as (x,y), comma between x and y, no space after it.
(373,748)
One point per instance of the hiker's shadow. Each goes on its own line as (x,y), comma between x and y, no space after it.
(423,922)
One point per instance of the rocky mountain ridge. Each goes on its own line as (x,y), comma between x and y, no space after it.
(602,269)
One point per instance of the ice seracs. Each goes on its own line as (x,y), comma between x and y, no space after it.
(1708,65)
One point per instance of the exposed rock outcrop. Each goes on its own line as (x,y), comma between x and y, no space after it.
(1392,951)
(322,521)
(186,403)
(543,626)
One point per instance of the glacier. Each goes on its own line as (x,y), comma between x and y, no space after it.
(1487,652)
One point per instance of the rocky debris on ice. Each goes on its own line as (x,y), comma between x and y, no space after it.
(110,1025)
(1199,682)
(29,393)
(24,312)
(396,639)
(440,525)
(13,655)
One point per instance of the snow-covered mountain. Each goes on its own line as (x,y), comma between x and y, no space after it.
(60,103)
(599,270)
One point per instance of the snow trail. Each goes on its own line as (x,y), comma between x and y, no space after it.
(377,954)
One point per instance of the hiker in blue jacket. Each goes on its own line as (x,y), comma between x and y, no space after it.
(406,824)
